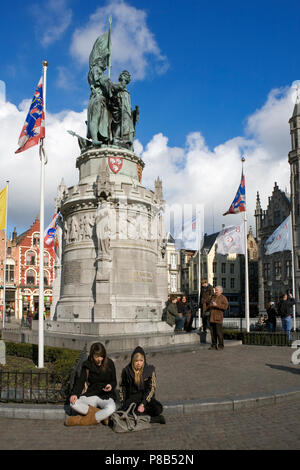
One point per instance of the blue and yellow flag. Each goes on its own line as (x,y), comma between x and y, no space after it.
(3,201)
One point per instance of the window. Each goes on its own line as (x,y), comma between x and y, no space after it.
(30,258)
(46,278)
(46,259)
(173,261)
(232,283)
(30,277)
(214,282)
(231,268)
(35,240)
(276,217)
(214,267)
(277,266)
(8,251)
(223,268)
(288,268)
(266,270)
(224,282)
(173,282)
(205,267)
(10,273)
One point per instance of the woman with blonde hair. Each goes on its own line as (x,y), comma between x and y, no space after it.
(138,385)
(93,394)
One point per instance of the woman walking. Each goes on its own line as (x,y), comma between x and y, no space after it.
(94,402)
(138,384)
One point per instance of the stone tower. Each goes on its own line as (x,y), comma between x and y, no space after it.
(294,161)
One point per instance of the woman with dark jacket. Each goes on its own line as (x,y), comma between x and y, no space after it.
(138,384)
(94,402)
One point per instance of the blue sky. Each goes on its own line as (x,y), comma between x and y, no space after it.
(204,74)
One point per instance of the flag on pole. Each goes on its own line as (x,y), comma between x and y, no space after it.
(280,239)
(186,234)
(231,240)
(3,202)
(239,202)
(34,127)
(50,241)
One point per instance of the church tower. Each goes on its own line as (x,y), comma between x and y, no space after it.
(294,161)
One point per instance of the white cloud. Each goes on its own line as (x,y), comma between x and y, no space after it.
(52,20)
(191,174)
(133,45)
(212,177)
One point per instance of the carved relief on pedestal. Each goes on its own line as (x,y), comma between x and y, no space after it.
(79,228)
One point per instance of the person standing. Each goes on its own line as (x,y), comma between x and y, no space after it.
(217,306)
(206,293)
(272,313)
(286,311)
(97,402)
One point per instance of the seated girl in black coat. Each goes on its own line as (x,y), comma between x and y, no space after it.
(97,402)
(138,384)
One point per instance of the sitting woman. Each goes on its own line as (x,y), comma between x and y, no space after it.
(138,383)
(97,402)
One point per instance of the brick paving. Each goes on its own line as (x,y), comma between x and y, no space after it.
(271,427)
(230,373)
(202,374)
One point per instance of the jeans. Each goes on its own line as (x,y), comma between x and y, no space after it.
(272,327)
(179,323)
(286,325)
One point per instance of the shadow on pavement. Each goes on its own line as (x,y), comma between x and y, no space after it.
(293,370)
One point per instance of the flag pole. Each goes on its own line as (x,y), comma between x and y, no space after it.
(41,265)
(4,265)
(109,47)
(246,266)
(293,269)
(199,271)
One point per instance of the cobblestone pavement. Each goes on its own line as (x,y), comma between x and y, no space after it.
(270,427)
(235,371)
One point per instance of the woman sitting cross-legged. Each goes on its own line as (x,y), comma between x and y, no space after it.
(97,403)
(138,384)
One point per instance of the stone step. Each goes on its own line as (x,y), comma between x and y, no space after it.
(113,343)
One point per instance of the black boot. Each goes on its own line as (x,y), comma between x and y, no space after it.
(158,419)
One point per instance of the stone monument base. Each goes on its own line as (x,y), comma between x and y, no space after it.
(116,337)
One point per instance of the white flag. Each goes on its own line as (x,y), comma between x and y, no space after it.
(231,240)
(187,234)
(280,240)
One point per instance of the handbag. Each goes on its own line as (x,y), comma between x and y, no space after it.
(128,421)
(86,384)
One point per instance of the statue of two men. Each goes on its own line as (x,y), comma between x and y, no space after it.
(110,117)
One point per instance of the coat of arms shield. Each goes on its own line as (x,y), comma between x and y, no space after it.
(115,164)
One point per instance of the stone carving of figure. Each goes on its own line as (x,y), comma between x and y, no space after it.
(124,118)
(103,227)
(73,230)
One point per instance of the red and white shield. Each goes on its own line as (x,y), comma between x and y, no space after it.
(115,164)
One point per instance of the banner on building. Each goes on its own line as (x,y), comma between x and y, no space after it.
(280,239)
(231,240)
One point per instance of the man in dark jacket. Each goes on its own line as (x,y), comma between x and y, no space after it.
(271,312)
(206,293)
(286,313)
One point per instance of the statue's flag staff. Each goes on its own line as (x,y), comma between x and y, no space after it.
(33,133)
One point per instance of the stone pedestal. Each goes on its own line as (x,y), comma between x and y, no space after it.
(112,269)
